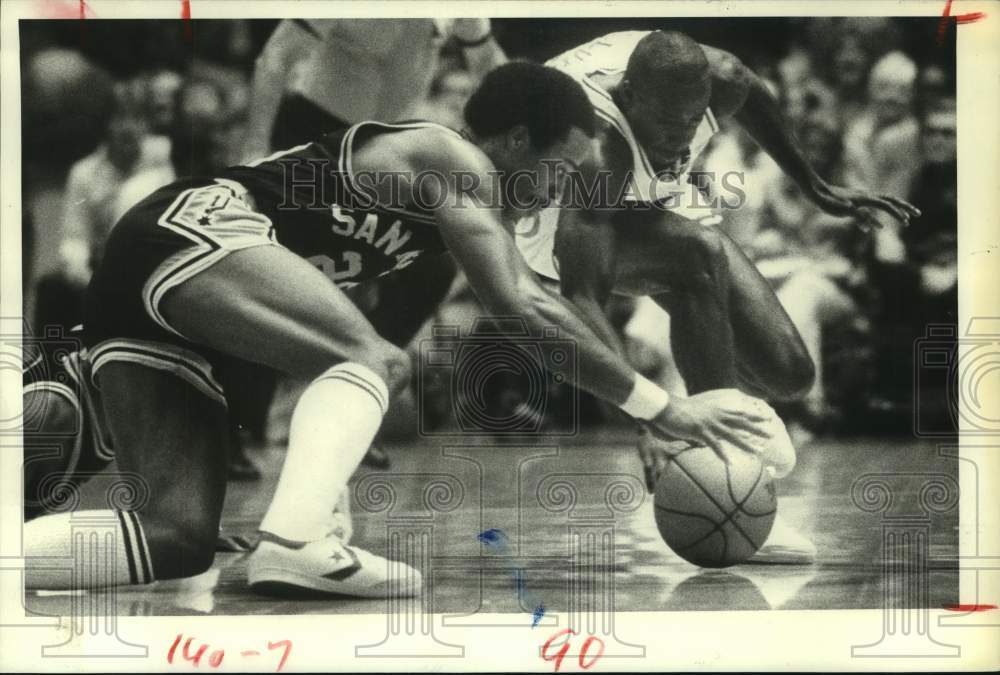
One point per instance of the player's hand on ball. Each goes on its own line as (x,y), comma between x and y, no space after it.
(654,452)
(860,205)
(714,418)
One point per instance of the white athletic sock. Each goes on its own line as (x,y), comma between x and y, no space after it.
(333,424)
(86,549)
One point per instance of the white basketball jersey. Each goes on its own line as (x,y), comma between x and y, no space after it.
(608,55)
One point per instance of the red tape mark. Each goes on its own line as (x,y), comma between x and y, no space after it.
(969,608)
(971,17)
(186,17)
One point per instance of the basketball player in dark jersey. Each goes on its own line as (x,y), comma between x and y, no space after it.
(659,96)
(250,263)
(315,76)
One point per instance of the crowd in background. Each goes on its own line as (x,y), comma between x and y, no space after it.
(112,112)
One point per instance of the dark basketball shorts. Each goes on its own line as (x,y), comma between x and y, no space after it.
(65,438)
(174,234)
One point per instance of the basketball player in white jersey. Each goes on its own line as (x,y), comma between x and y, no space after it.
(660,96)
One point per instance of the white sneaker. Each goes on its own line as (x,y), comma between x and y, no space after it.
(281,567)
(784,546)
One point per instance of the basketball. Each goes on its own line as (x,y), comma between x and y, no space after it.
(711,514)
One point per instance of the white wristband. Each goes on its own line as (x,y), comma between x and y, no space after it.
(646,400)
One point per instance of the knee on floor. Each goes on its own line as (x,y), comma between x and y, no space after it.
(179,549)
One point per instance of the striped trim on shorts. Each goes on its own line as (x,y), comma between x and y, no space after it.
(218,219)
(187,365)
(74,364)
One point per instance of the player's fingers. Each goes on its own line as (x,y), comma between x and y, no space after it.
(743,406)
(750,426)
(903,204)
(648,468)
(884,204)
(712,441)
(749,412)
(644,454)
(649,474)
(837,203)
(660,459)
(740,441)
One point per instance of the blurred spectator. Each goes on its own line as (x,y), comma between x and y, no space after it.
(931,241)
(94,200)
(199,136)
(802,252)
(808,99)
(934,86)
(163,88)
(848,74)
(880,144)
(927,274)
(66,104)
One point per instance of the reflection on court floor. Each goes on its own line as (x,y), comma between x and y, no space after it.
(579,532)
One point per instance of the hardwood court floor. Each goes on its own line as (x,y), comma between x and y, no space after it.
(563,542)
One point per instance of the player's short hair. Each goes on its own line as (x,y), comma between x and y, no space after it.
(548,102)
(667,55)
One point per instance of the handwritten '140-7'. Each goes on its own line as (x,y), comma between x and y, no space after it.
(193,653)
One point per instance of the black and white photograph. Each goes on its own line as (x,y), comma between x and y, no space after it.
(477,337)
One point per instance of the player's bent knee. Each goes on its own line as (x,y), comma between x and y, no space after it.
(795,374)
(388,361)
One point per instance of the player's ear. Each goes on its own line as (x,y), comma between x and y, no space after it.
(518,138)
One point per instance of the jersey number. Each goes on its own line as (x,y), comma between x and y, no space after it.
(347,268)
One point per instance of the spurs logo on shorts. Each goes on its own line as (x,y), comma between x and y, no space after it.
(217,219)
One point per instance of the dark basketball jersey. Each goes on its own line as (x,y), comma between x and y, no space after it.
(323,212)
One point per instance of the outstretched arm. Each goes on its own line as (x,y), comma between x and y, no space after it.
(739,92)
(505,285)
